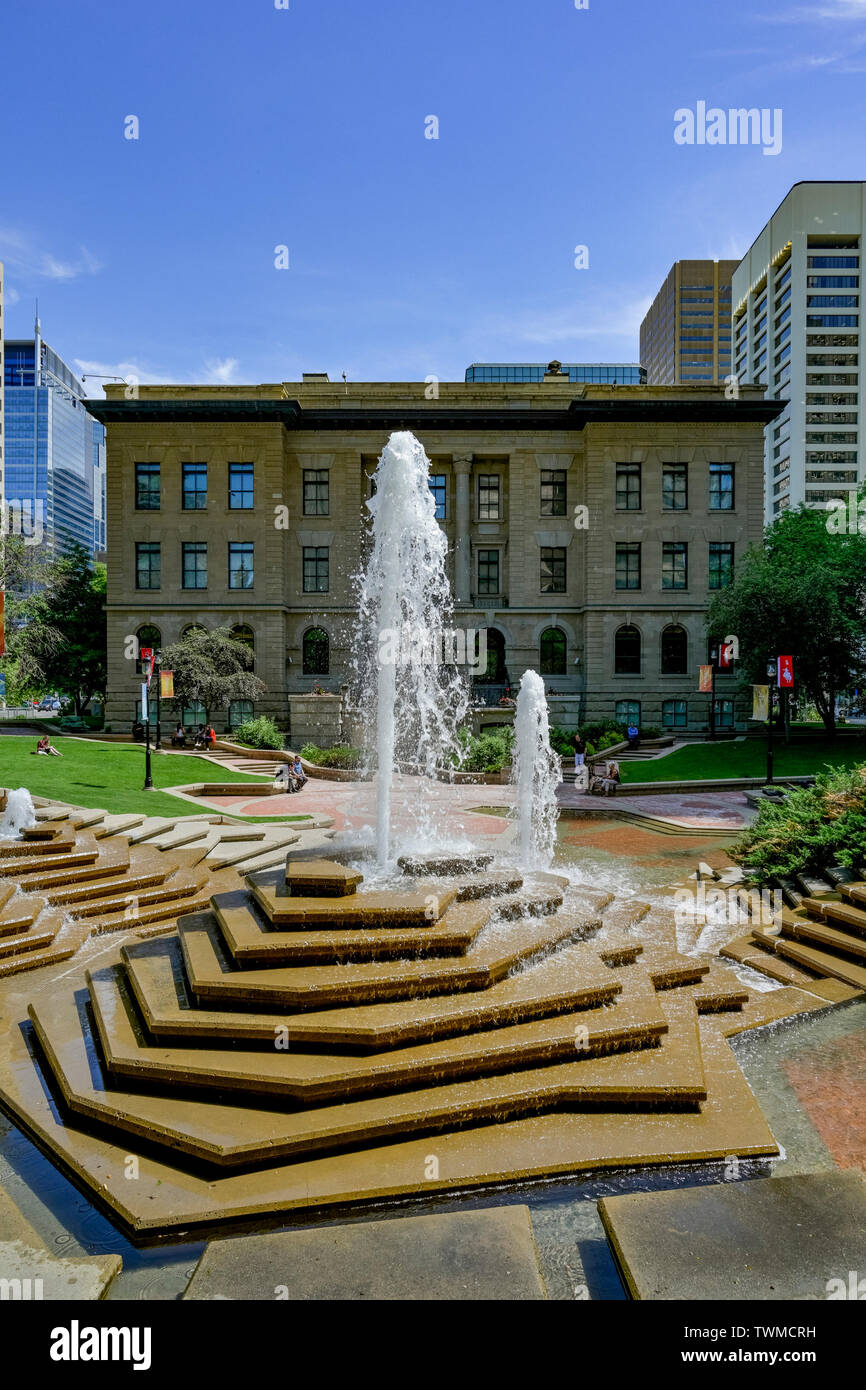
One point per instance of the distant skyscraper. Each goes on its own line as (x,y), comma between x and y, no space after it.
(797,332)
(54,455)
(2,429)
(600,373)
(686,334)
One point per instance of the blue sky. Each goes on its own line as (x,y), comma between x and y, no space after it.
(409,257)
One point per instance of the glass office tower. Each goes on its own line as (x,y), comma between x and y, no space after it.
(597,373)
(54,450)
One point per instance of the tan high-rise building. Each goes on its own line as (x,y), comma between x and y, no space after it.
(686,334)
(587,527)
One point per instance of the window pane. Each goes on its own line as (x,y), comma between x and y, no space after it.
(316,492)
(553,569)
(721,568)
(240,711)
(674,714)
(628,565)
(316,652)
(148,565)
(628,487)
(194,487)
(553,492)
(628,712)
(488,571)
(147,487)
(721,487)
(675,496)
(488,497)
(240,486)
(553,652)
(674,565)
(316,569)
(195,565)
(241,567)
(626,660)
(439,489)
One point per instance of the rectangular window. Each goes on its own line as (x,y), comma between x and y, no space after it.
(194,487)
(553,569)
(488,496)
(675,487)
(721,487)
(628,487)
(241,565)
(724,714)
(439,489)
(240,712)
(674,714)
(628,712)
(316,569)
(628,565)
(488,571)
(147,487)
(148,565)
(675,567)
(553,491)
(241,487)
(721,573)
(194,565)
(316,492)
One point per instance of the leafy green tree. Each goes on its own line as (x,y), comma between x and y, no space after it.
(211,668)
(802,592)
(55,623)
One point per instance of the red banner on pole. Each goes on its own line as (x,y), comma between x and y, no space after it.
(785,672)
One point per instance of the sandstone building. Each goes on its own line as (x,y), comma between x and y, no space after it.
(587,529)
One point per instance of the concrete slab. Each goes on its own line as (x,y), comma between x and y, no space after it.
(25,1261)
(473,1255)
(769,1239)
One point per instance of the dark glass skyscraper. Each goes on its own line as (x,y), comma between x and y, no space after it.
(54,476)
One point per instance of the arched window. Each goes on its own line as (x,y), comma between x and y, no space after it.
(317,652)
(495,674)
(675,651)
(245,634)
(626,656)
(147,636)
(553,652)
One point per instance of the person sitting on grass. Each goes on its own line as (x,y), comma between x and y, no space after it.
(44,746)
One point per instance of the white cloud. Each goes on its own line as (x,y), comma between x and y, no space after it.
(833,10)
(221,370)
(30,259)
(132,372)
(11,295)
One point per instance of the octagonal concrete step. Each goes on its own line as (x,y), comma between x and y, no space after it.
(213,977)
(163,884)
(377,909)
(670,1074)
(572,979)
(250,938)
(321,878)
(315,1078)
(844,917)
(36,937)
(827,933)
(19,913)
(33,867)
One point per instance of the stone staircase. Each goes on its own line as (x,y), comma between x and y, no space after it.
(302,1039)
(82,873)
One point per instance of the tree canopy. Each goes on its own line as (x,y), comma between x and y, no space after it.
(802,592)
(211,668)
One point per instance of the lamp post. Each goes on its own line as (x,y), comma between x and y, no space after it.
(771,674)
(157,671)
(714,656)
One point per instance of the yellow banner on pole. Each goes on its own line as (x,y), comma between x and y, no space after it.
(760,702)
(166,685)
(706,682)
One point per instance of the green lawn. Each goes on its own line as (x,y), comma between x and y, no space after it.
(747,759)
(107,775)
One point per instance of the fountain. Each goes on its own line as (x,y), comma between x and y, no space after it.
(412,698)
(535,774)
(18,815)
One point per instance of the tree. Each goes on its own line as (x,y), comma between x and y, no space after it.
(802,592)
(211,669)
(56,632)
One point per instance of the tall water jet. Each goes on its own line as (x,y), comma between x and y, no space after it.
(19,814)
(411,696)
(535,773)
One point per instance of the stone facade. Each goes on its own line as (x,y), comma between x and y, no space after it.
(550,455)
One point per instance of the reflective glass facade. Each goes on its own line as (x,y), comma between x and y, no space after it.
(55,451)
(598,373)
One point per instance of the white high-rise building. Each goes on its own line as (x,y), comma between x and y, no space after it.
(796,330)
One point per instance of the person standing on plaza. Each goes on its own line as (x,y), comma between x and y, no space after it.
(579,751)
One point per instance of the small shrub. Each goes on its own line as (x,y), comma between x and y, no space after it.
(342,756)
(259,733)
(811,829)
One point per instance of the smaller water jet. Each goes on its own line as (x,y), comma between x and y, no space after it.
(536,773)
(19,814)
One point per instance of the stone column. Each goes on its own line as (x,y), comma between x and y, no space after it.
(462,516)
